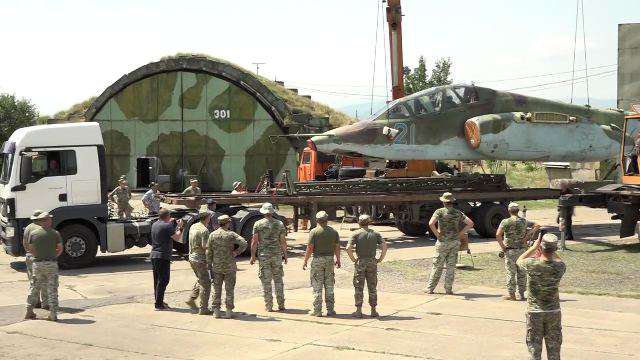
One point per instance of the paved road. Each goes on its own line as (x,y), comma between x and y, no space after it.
(108,313)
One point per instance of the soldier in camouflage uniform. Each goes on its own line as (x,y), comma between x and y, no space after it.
(193,189)
(221,257)
(45,244)
(544,320)
(121,196)
(366,241)
(448,233)
(270,245)
(324,243)
(512,237)
(28,260)
(198,237)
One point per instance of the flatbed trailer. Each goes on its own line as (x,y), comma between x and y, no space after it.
(484,198)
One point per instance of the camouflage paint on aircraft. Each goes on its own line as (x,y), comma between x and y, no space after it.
(458,122)
(196,124)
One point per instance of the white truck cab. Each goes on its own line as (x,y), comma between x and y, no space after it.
(59,169)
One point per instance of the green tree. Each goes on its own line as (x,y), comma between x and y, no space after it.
(14,114)
(418,79)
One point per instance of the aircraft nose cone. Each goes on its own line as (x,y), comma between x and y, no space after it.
(323,143)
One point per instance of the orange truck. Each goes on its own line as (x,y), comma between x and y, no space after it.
(622,199)
(314,165)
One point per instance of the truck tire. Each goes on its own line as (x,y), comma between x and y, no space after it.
(487,218)
(79,246)
(247,233)
(411,228)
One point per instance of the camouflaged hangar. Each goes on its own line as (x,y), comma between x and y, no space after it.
(196,116)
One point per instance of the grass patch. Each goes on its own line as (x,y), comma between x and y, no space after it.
(539,204)
(594,269)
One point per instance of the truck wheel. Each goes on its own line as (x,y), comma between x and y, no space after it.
(79,246)
(411,228)
(247,233)
(488,217)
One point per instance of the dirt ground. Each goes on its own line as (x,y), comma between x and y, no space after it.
(107,311)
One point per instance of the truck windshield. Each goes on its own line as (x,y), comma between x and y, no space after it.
(5,173)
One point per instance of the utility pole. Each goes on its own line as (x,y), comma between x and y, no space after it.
(257,64)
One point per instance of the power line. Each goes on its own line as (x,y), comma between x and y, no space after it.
(541,75)
(561,81)
(584,42)
(599,76)
(575,45)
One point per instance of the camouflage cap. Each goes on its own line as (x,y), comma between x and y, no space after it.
(236,184)
(193,181)
(122,177)
(549,242)
(514,206)
(267,208)
(223,219)
(205,212)
(447,198)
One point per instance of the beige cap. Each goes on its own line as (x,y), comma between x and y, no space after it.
(364,218)
(447,198)
(193,181)
(39,215)
(204,212)
(322,215)
(236,184)
(223,219)
(513,206)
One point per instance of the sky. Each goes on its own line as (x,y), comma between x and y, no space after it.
(58,53)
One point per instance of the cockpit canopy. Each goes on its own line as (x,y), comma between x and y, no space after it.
(429,101)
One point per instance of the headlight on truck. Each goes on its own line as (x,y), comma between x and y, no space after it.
(9,231)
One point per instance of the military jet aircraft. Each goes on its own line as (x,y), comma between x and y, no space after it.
(460,122)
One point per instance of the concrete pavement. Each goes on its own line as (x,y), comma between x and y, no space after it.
(108,313)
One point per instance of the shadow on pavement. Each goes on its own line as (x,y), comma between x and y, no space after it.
(295,311)
(76,321)
(471,296)
(253,317)
(397,318)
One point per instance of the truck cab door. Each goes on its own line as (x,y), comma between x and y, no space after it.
(43,182)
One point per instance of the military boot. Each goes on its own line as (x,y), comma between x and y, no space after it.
(268,308)
(38,305)
(53,316)
(29,315)
(217,314)
(374,313)
(331,312)
(281,308)
(229,314)
(45,306)
(192,303)
(317,313)
(510,297)
(204,312)
(522,297)
(358,312)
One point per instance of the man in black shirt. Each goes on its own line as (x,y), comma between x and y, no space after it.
(163,232)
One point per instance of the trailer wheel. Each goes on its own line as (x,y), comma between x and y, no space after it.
(79,246)
(487,218)
(411,228)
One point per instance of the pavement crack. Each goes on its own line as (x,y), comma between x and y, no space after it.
(73,288)
(374,351)
(222,334)
(12,332)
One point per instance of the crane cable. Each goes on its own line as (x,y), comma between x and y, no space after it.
(575,42)
(584,42)
(375,51)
